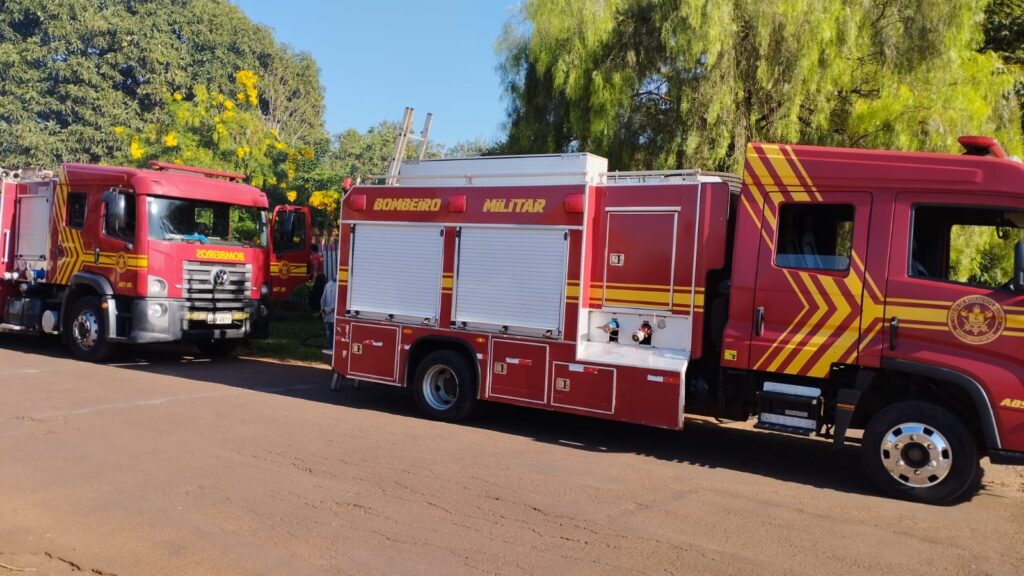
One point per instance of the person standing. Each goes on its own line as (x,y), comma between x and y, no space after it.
(316,274)
(328,301)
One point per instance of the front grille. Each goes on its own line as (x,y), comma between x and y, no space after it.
(199,291)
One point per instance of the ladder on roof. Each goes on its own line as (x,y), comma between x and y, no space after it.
(404,135)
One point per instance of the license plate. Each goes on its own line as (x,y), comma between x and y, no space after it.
(219,318)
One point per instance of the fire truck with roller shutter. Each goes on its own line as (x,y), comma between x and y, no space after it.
(104,255)
(819,292)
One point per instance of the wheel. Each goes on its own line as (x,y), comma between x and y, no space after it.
(445,386)
(920,452)
(87,331)
(219,348)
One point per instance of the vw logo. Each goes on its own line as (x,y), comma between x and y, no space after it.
(220,278)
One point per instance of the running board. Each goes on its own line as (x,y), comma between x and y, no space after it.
(789,408)
(783,429)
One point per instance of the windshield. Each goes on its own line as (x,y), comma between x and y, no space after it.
(200,222)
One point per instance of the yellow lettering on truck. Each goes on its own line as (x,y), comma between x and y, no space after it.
(407,204)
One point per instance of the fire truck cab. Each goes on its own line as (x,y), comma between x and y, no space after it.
(825,290)
(104,255)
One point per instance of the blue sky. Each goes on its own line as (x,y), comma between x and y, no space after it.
(378,56)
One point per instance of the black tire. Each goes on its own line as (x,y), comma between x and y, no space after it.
(445,386)
(87,331)
(915,449)
(218,348)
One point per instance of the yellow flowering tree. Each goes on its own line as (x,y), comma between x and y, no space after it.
(222,132)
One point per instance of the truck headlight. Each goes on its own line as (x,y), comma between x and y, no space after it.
(157,310)
(264,290)
(157,286)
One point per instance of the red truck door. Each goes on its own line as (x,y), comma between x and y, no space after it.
(949,303)
(113,250)
(290,232)
(810,280)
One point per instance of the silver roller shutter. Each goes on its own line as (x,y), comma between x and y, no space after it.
(396,270)
(511,277)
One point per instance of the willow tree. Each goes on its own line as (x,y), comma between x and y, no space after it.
(670,83)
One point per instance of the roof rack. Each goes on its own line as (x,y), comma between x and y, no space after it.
(167,166)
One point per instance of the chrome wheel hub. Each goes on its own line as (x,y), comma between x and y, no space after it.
(916,454)
(440,387)
(86,330)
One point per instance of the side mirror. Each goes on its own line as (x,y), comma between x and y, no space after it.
(1018,265)
(117,209)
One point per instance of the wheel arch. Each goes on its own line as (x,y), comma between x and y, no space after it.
(83,284)
(422,347)
(906,380)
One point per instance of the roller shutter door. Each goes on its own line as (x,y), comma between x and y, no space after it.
(511,277)
(396,270)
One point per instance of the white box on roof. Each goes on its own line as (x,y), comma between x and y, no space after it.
(544,169)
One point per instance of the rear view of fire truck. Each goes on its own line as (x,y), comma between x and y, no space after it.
(106,255)
(820,295)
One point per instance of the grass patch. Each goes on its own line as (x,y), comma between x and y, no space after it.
(296,333)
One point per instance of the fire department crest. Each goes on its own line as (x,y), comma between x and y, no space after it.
(284,269)
(976,319)
(121,262)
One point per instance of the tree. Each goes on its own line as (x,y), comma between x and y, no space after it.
(223,132)
(663,84)
(75,68)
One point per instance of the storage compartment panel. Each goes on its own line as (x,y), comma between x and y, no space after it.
(519,371)
(373,352)
(583,387)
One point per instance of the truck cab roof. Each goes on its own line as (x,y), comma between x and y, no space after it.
(167,183)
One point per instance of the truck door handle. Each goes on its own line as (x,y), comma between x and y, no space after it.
(759,321)
(894,324)
(96,256)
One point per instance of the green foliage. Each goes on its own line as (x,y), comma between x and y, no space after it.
(982,254)
(73,69)
(664,84)
(218,131)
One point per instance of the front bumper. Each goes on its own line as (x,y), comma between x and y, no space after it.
(166,320)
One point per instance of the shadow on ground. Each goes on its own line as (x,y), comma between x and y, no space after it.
(808,461)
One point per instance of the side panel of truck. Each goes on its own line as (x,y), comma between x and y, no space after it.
(971,330)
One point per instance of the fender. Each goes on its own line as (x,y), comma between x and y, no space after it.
(451,343)
(985,414)
(97,283)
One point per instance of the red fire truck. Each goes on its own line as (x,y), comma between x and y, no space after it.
(105,255)
(818,292)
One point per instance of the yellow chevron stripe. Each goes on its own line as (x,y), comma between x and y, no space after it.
(800,167)
(825,331)
(782,168)
(763,178)
(847,327)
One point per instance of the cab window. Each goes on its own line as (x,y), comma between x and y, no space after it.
(77,202)
(815,237)
(964,244)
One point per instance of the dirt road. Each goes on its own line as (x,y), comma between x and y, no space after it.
(170,465)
